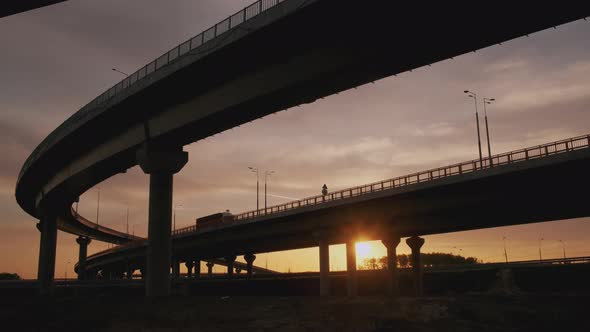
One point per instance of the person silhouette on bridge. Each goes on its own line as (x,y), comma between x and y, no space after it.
(324,190)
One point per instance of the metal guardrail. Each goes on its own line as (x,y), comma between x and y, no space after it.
(103,229)
(528,263)
(540,151)
(195,45)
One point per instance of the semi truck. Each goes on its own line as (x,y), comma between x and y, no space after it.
(215,219)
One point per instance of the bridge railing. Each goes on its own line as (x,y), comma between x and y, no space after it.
(196,45)
(535,152)
(198,42)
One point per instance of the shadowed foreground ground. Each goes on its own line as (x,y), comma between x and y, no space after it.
(184,313)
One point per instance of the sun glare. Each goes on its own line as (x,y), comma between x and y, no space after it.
(363,250)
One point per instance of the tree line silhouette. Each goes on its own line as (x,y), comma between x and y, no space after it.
(428,259)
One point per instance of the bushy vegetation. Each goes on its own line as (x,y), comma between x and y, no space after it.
(428,259)
(9,276)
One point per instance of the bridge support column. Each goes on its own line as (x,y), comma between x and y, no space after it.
(82,253)
(249,258)
(230,266)
(160,164)
(210,268)
(415,243)
(197,267)
(176,268)
(351,268)
(46,268)
(324,247)
(391,244)
(189,268)
(129,272)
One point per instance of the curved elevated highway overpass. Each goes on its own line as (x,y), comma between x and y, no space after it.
(263,59)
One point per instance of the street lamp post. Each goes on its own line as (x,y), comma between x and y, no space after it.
(563,246)
(66,271)
(488,101)
(255,170)
(174,216)
(127,221)
(505,253)
(266,175)
(474,96)
(97,206)
(120,72)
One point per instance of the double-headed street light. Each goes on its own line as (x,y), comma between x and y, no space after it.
(127,220)
(488,101)
(66,271)
(474,96)
(174,217)
(563,246)
(255,170)
(97,205)
(266,175)
(505,252)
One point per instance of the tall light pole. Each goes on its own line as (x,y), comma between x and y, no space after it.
(120,72)
(255,170)
(474,96)
(97,206)
(540,256)
(174,216)
(127,221)
(266,175)
(488,101)
(66,271)
(563,246)
(505,253)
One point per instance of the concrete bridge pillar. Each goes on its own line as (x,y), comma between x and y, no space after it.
(197,267)
(230,265)
(415,243)
(82,253)
(129,272)
(324,248)
(142,271)
(352,283)
(249,258)
(189,268)
(46,268)
(160,164)
(176,268)
(210,268)
(391,244)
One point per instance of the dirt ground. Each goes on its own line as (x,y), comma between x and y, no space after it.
(190,313)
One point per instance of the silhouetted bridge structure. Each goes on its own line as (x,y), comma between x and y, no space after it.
(469,195)
(305,50)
